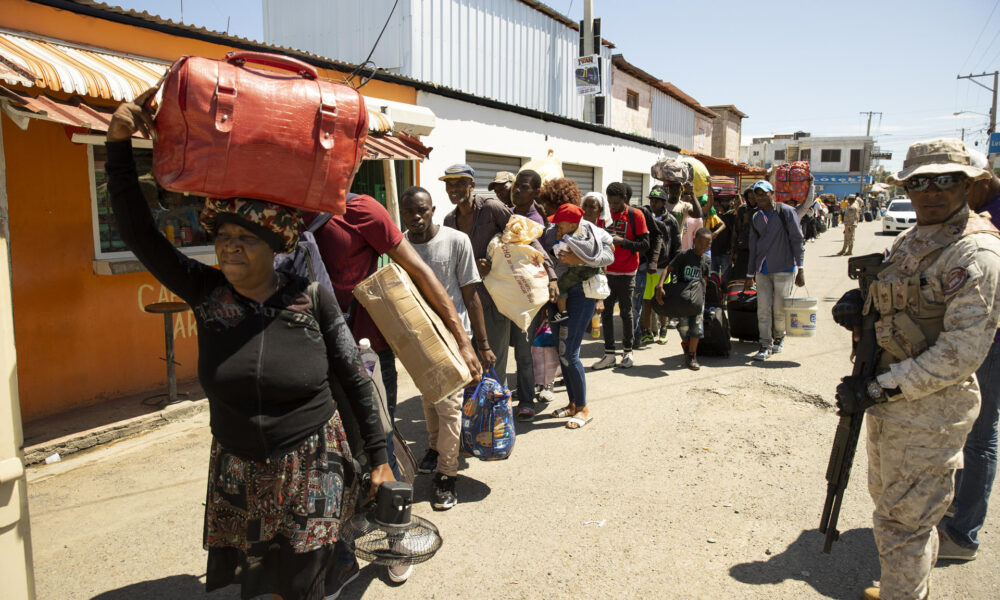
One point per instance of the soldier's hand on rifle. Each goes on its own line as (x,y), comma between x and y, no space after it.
(848,310)
(854,396)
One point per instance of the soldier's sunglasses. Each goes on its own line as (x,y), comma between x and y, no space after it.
(943,182)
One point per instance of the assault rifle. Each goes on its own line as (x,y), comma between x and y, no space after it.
(864,269)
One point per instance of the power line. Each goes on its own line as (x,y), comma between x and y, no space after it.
(374,67)
(978,37)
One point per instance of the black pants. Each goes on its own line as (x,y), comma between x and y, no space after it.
(622,290)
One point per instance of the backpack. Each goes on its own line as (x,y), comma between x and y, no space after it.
(305,261)
(792,182)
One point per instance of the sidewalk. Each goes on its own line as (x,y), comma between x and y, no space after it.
(83,428)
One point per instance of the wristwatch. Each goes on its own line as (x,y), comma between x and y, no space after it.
(878,393)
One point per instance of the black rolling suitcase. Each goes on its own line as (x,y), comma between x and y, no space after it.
(742,313)
(869,217)
(716,341)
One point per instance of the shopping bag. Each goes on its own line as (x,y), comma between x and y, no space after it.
(487,420)
(517,281)
(545,364)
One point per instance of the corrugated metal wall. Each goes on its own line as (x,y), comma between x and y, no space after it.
(342,30)
(487,166)
(499,49)
(673,122)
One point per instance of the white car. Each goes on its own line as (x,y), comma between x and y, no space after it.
(899,216)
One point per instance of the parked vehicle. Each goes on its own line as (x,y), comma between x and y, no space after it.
(899,216)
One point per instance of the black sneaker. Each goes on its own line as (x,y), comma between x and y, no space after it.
(429,462)
(444,492)
(338,577)
(692,362)
(559,317)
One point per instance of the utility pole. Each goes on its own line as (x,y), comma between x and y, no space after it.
(864,155)
(588,50)
(993,90)
(963,134)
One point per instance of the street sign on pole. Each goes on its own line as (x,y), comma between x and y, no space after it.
(994,143)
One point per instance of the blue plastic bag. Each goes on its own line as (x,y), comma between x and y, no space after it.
(487,420)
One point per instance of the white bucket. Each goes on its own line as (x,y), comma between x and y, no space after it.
(800,317)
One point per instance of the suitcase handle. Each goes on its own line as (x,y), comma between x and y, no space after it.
(278,61)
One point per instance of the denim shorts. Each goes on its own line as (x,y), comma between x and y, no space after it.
(692,327)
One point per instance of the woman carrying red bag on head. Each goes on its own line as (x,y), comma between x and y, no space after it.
(276,359)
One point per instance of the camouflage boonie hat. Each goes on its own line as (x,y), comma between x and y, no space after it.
(277,225)
(671,170)
(936,157)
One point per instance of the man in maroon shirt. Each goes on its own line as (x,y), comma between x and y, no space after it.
(350,245)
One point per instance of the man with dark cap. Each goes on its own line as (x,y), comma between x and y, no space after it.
(501,185)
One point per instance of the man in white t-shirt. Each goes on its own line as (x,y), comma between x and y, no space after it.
(448,252)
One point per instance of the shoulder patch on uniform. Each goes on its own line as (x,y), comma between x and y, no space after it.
(955,279)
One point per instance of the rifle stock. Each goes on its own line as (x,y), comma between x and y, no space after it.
(864,269)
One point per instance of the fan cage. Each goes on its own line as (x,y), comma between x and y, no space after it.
(392,545)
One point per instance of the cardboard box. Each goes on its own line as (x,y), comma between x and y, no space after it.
(414,331)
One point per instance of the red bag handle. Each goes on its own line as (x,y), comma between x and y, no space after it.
(273,60)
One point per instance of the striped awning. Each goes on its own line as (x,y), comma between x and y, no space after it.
(51,65)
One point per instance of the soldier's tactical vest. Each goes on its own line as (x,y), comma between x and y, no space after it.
(909,323)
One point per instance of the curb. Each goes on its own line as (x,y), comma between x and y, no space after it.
(77,442)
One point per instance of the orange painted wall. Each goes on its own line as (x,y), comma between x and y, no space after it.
(82,338)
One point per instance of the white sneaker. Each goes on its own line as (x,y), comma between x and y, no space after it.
(546,395)
(399,573)
(777,346)
(604,363)
(762,354)
(626,361)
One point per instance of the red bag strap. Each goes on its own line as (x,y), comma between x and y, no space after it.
(225,100)
(277,61)
(326,131)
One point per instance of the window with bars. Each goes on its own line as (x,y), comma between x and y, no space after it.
(829,156)
(632,99)
(779,155)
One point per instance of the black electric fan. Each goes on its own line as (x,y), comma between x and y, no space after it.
(387,534)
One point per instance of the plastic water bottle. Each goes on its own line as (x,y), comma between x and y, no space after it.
(368,356)
(595,325)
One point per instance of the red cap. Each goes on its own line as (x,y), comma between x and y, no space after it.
(568,213)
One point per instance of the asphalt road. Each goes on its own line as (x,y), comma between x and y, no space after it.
(686,485)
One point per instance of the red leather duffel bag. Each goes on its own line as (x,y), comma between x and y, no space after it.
(226,130)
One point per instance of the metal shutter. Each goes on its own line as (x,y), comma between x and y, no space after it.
(487,166)
(634,180)
(583,176)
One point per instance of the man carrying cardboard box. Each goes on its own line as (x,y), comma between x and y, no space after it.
(449,255)
(350,245)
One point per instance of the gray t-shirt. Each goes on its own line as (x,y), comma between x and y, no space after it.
(449,255)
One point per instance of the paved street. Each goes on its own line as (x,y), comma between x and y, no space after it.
(686,485)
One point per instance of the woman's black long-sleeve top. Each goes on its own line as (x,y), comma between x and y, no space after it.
(273,375)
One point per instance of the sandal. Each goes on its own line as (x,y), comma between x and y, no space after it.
(568,411)
(577,422)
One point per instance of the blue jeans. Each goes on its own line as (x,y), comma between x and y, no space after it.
(974,483)
(570,335)
(640,289)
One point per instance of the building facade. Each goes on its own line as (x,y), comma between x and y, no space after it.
(840,165)
(727,131)
(516,52)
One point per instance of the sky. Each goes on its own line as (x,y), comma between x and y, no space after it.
(790,65)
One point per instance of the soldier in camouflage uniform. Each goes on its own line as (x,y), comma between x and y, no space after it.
(852,214)
(938,311)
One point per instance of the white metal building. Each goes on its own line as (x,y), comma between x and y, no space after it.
(491,140)
(502,84)
(515,51)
